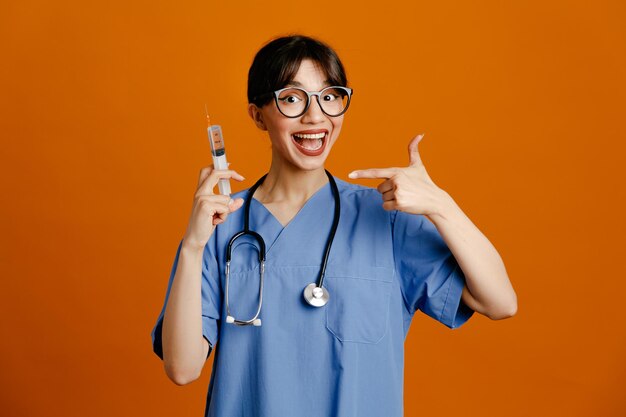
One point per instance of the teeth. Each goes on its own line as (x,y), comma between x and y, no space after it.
(310,136)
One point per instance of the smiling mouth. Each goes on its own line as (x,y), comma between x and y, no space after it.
(309,141)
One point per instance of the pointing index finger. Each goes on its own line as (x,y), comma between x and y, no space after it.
(373,173)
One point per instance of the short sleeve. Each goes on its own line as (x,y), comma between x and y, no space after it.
(211,299)
(429,275)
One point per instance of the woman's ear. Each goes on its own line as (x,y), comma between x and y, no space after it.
(257,116)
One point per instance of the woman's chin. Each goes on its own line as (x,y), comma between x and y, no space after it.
(311,163)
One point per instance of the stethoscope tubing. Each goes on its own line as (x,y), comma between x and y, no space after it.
(262,252)
(333,229)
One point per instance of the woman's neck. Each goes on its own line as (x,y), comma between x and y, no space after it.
(290,185)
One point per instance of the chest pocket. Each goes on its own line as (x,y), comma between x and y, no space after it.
(358,308)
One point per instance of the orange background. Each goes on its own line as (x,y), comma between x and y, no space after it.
(103,136)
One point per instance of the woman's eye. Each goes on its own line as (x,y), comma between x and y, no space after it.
(290,99)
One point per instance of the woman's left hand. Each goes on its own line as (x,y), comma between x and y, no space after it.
(407,189)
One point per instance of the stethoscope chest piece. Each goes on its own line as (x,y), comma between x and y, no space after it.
(316,296)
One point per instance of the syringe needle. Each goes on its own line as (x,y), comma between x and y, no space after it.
(208,119)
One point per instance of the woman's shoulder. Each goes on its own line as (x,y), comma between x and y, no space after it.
(361,198)
(349,189)
(240,194)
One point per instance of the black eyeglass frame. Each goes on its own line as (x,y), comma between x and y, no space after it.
(276,93)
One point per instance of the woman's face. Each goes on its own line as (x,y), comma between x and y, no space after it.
(303,142)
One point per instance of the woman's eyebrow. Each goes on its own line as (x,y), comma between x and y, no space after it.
(297,84)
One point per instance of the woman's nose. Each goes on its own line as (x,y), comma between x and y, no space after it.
(314,113)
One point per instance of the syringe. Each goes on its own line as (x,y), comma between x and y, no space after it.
(218,152)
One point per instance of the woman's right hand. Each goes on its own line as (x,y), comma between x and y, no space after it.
(209,209)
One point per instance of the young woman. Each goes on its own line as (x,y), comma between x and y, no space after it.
(341,268)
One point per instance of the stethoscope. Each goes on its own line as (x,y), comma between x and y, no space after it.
(315,293)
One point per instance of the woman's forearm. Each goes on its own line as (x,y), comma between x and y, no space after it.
(183,351)
(490,291)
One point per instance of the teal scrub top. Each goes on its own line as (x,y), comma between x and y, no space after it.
(345,359)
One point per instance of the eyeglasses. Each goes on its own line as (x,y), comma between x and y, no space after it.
(294,101)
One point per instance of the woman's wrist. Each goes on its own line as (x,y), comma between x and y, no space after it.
(445,207)
(192,247)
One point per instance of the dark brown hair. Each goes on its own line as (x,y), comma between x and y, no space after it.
(276,64)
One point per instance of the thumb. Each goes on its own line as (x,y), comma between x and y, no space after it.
(414,155)
(235,204)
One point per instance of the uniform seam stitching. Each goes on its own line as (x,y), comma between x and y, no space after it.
(445,303)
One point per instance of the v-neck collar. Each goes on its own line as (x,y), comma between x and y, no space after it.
(274,231)
(312,197)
